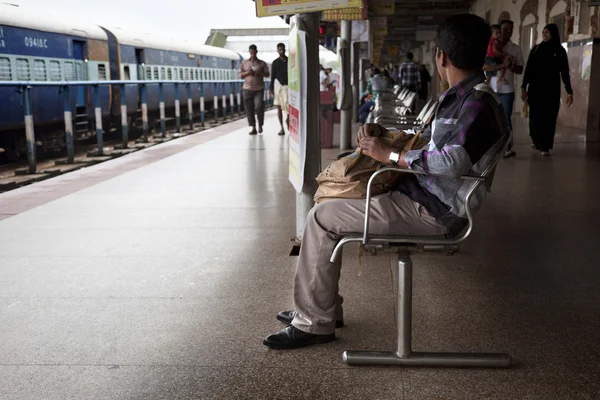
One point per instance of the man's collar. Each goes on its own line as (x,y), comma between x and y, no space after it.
(466,85)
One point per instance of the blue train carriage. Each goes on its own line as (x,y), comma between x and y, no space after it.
(37,48)
(152,58)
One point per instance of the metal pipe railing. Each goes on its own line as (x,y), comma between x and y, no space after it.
(64,95)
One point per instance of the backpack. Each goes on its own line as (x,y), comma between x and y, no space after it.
(348,176)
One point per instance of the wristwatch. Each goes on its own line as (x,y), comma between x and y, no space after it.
(395,157)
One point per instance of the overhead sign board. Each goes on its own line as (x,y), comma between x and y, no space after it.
(345,14)
(268,8)
(382,7)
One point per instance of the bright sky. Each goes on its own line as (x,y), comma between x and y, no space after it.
(191,18)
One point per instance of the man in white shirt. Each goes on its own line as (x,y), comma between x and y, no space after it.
(504,91)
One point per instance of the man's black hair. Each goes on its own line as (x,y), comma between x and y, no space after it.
(252,47)
(410,56)
(280,45)
(496,26)
(465,39)
(506,21)
(376,71)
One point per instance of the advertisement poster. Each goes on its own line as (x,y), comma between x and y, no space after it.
(297,105)
(268,8)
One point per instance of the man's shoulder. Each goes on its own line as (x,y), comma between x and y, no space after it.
(482,98)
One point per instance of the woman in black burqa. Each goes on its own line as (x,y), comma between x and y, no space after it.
(547,63)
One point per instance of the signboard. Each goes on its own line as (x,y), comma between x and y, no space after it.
(382,7)
(586,65)
(360,31)
(268,8)
(346,14)
(297,106)
(340,70)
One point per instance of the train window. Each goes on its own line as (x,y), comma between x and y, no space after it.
(69,71)
(163,75)
(156,76)
(5,71)
(126,73)
(55,73)
(174,73)
(170,74)
(102,72)
(181,74)
(197,75)
(187,74)
(39,70)
(148,73)
(23,73)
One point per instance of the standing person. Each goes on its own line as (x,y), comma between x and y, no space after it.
(254,72)
(470,130)
(547,63)
(369,72)
(513,64)
(425,79)
(279,85)
(410,77)
(377,84)
(396,74)
(323,79)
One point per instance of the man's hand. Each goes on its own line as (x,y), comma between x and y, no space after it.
(272,94)
(367,130)
(524,95)
(376,148)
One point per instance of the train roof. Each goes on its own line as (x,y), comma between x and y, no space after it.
(171,44)
(30,19)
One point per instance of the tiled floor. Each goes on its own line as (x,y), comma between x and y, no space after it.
(156,277)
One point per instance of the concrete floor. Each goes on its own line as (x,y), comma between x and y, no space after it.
(157,275)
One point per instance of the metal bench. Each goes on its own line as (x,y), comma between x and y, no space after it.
(408,121)
(403,247)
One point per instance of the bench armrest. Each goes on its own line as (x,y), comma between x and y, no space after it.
(477,180)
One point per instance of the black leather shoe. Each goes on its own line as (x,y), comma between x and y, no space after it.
(287,316)
(294,338)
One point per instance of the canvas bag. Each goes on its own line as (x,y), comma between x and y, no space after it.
(348,177)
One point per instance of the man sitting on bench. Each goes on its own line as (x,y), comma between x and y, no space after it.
(469,128)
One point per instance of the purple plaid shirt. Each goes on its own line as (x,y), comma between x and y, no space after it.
(410,74)
(468,130)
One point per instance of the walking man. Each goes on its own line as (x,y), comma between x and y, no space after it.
(279,85)
(506,91)
(410,77)
(254,72)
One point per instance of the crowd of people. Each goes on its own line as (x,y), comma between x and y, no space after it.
(540,90)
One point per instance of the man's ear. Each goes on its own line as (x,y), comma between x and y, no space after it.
(443,58)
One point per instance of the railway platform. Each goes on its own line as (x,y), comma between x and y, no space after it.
(157,275)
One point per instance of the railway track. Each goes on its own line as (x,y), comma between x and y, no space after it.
(15,175)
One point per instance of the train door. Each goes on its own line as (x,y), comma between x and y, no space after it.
(78,55)
(139,60)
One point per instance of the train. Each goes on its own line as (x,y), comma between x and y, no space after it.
(38,48)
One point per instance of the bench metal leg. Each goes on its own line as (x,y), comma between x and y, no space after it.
(403,355)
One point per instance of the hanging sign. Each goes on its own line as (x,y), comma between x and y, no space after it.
(268,8)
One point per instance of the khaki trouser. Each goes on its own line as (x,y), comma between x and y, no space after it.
(316,298)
